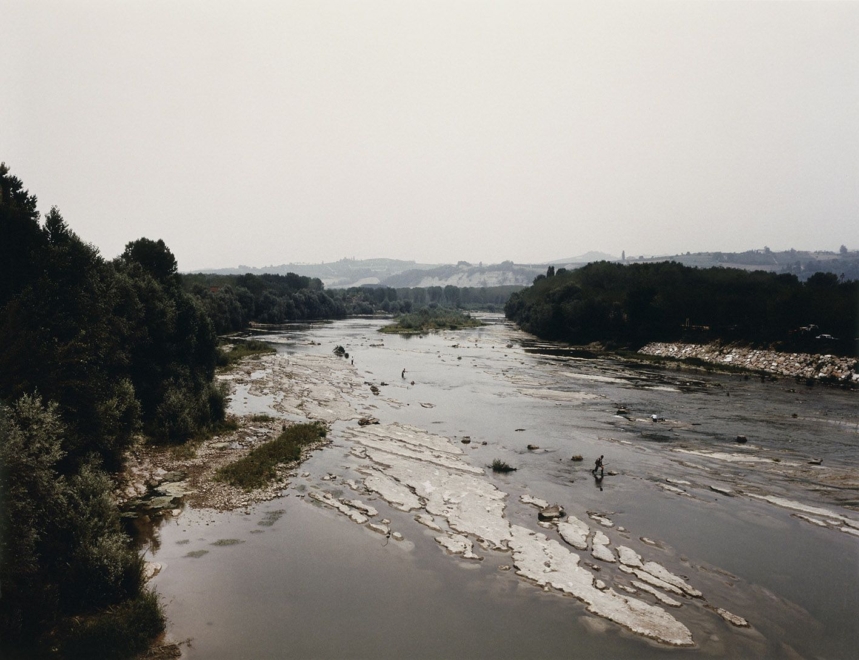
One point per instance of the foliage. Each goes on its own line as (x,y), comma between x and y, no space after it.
(636,304)
(242,349)
(500,466)
(379,299)
(121,631)
(62,550)
(93,352)
(234,301)
(259,467)
(115,344)
(429,319)
(155,258)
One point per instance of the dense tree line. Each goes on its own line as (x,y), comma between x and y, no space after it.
(375,299)
(639,303)
(91,353)
(234,301)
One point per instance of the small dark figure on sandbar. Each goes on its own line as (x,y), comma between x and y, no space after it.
(404,373)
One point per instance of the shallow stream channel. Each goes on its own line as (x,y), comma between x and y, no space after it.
(726,525)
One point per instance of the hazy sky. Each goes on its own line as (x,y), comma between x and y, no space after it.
(264,133)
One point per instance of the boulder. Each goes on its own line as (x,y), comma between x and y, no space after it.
(552,512)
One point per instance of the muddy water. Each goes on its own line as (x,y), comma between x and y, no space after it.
(291,578)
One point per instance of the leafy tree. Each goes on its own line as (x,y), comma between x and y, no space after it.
(62,550)
(666,301)
(155,258)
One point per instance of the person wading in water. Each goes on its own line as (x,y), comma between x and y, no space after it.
(598,467)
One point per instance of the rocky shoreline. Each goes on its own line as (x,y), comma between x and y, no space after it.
(812,366)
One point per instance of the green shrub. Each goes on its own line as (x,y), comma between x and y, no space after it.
(428,319)
(259,467)
(501,466)
(242,349)
(64,555)
(119,632)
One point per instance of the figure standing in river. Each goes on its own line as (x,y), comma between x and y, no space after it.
(404,373)
(598,467)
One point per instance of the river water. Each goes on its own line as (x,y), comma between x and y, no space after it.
(293,579)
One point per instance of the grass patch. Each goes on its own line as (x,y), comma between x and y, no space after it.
(260,466)
(224,542)
(122,631)
(243,349)
(501,466)
(262,418)
(187,450)
(429,319)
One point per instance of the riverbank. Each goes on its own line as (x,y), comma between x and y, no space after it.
(830,368)
(158,480)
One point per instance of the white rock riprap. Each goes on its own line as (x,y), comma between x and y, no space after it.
(802,365)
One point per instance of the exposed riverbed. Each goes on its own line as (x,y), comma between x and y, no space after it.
(396,540)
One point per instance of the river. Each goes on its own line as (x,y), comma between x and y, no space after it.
(766,530)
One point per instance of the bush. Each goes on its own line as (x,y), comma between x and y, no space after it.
(243,349)
(431,318)
(119,632)
(501,466)
(64,554)
(260,466)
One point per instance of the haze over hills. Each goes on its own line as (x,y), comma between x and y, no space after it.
(401,273)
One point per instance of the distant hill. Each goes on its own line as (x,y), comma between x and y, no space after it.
(465,274)
(334,275)
(801,263)
(398,273)
(586,258)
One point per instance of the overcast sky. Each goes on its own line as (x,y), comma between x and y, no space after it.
(263,133)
